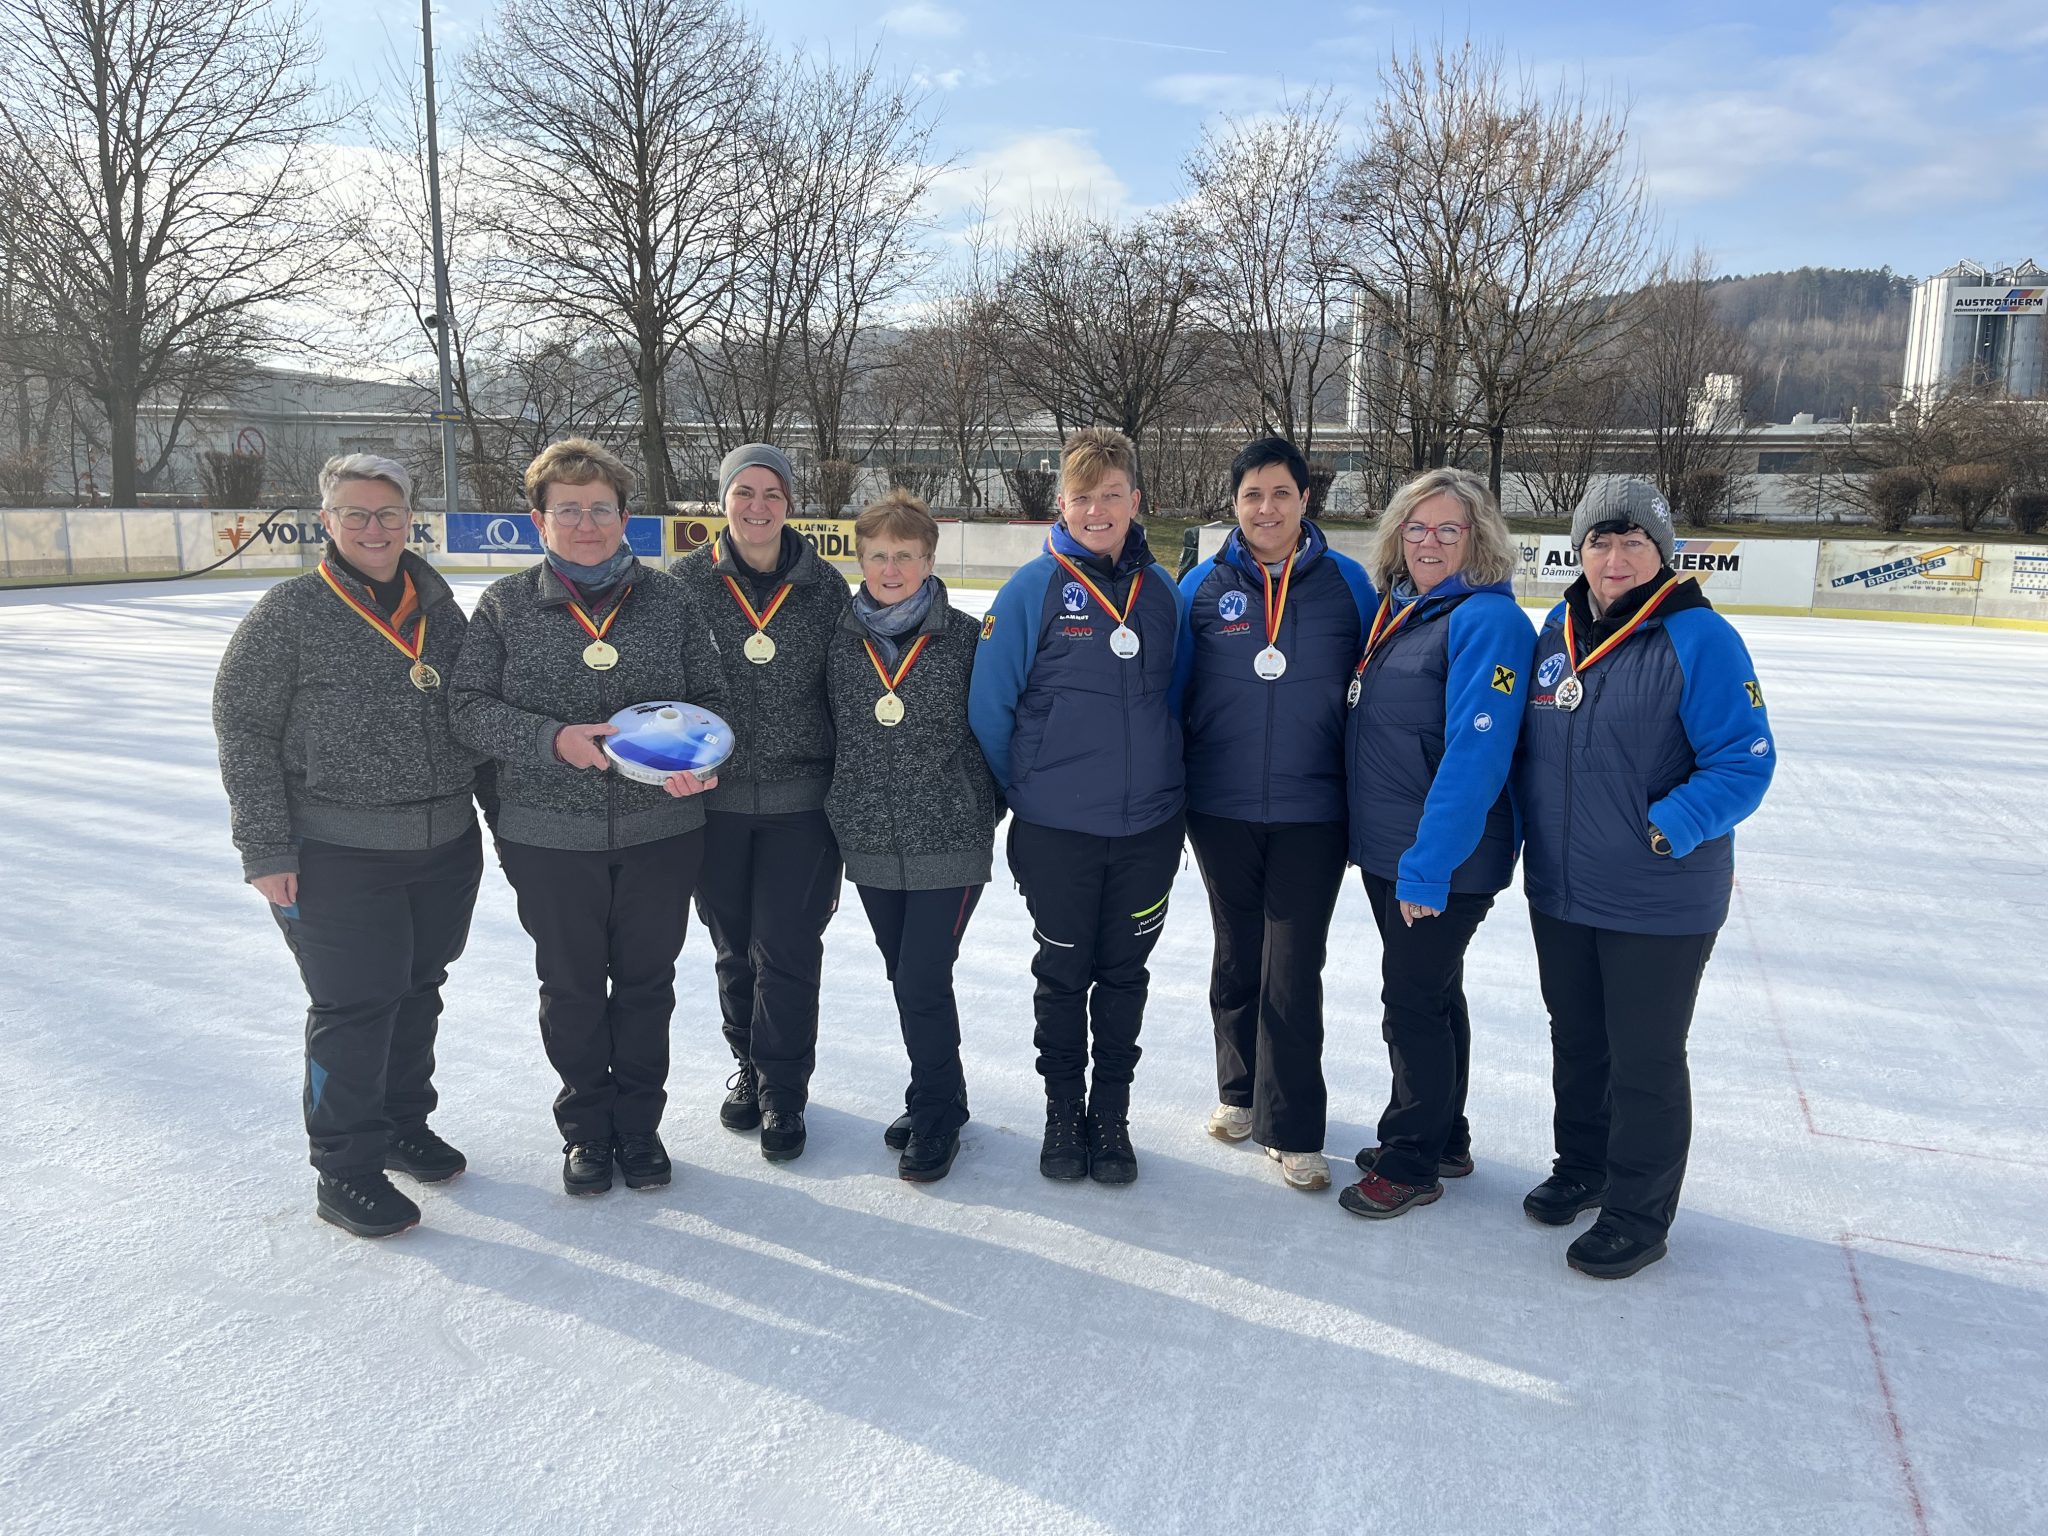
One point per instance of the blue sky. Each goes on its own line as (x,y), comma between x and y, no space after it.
(1774,135)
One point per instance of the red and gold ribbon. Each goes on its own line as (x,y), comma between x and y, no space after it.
(1273,614)
(758,620)
(891,684)
(1130,603)
(383,626)
(1571,649)
(591,627)
(1382,631)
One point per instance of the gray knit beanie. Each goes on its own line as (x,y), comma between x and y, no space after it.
(752,455)
(1633,502)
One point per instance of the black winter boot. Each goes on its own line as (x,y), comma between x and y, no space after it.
(1558,1200)
(364,1203)
(782,1135)
(1606,1254)
(587,1167)
(741,1110)
(1064,1154)
(643,1160)
(1111,1158)
(419,1152)
(928,1158)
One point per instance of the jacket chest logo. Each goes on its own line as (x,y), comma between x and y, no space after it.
(1230,606)
(1074,596)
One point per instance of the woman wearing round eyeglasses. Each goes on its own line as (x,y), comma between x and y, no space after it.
(603,868)
(912,804)
(1436,704)
(351,805)
(1646,742)
(771,870)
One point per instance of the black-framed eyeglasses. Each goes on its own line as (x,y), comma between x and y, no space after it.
(356,519)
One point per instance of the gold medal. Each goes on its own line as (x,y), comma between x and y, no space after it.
(600,656)
(888,710)
(760,650)
(424,677)
(889,707)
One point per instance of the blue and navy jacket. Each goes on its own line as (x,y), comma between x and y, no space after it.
(1078,737)
(1672,734)
(1430,744)
(1259,750)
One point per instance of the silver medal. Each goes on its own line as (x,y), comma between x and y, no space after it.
(1351,694)
(1570,692)
(1269,663)
(1123,642)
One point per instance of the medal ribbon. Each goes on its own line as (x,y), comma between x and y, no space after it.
(891,684)
(1382,631)
(1273,614)
(1571,649)
(1130,603)
(419,640)
(591,627)
(758,620)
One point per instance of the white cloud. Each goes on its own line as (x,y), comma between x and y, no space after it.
(919,19)
(1220,93)
(1044,168)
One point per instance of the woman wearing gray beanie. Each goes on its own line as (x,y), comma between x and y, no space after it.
(771,866)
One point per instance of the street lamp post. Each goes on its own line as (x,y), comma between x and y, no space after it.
(442,320)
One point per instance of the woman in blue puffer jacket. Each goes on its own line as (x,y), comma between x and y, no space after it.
(1645,742)
(1436,704)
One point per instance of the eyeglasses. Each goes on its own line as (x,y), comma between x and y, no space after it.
(602,514)
(882,559)
(356,519)
(1446,533)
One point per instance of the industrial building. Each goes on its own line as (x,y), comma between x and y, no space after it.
(1974,325)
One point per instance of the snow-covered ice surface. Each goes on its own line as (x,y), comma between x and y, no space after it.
(1850,1335)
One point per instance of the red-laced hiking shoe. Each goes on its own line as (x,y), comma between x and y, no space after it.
(1379,1199)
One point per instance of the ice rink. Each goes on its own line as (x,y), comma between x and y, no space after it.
(1850,1335)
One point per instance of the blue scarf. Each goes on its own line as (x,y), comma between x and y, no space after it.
(594,580)
(888,623)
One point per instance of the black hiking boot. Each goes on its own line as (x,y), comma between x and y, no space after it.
(741,1110)
(928,1159)
(782,1135)
(643,1160)
(1451,1165)
(417,1151)
(1607,1254)
(1558,1200)
(897,1136)
(364,1203)
(587,1167)
(1064,1154)
(1111,1158)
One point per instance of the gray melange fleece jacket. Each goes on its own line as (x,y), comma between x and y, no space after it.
(522,678)
(783,760)
(322,734)
(913,805)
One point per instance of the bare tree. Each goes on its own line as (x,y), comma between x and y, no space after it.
(1554,455)
(166,143)
(609,138)
(1677,349)
(1272,279)
(1099,320)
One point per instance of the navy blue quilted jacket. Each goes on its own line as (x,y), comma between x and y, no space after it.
(1260,750)
(1672,733)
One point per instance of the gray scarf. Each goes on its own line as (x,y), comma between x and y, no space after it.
(888,623)
(594,580)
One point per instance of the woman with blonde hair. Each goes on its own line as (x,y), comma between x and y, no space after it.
(912,804)
(1436,705)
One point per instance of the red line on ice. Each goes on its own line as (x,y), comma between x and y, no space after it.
(1884,1386)
(1967,1253)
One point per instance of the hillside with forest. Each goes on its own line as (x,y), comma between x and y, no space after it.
(1825,339)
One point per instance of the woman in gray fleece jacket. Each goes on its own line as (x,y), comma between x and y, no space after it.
(350,803)
(603,867)
(771,867)
(912,803)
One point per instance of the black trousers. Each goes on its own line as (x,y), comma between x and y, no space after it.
(1427,1029)
(771,884)
(606,926)
(1620,1008)
(374,933)
(918,933)
(1097,906)
(1272,887)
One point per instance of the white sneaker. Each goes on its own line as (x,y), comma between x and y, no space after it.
(1230,1122)
(1302,1170)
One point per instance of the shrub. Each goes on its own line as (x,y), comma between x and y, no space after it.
(1321,477)
(230,479)
(1894,497)
(1967,491)
(24,478)
(2029,511)
(1698,494)
(1034,490)
(832,484)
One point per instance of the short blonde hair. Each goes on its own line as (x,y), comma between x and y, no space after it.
(363,466)
(1491,557)
(576,461)
(1094,452)
(897,515)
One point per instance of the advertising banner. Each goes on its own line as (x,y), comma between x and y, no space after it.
(832,538)
(513,533)
(2015,582)
(299,537)
(1998,301)
(1918,578)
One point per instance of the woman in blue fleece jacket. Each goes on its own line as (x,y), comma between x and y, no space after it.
(1645,742)
(1436,704)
